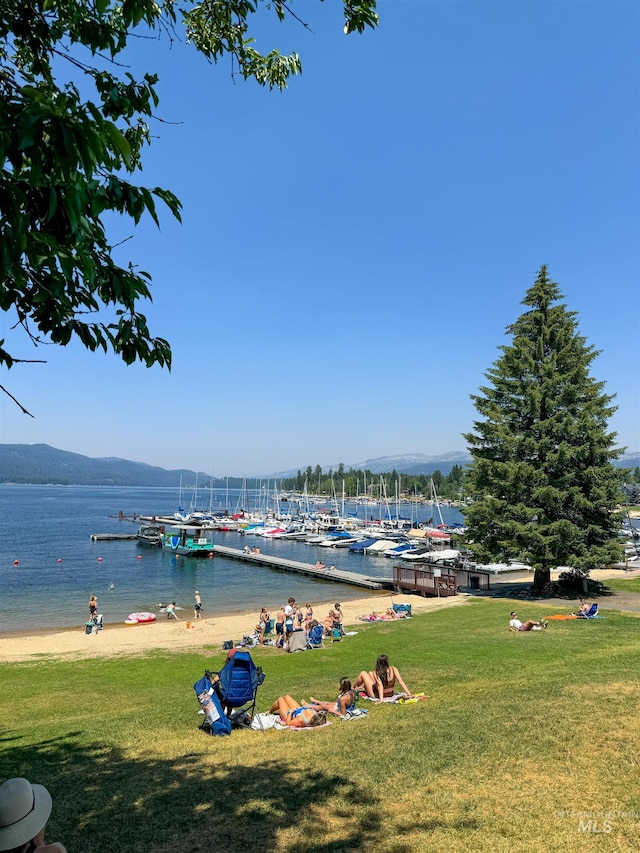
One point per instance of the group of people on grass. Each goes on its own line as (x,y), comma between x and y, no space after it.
(289,618)
(379,684)
(515,624)
(292,617)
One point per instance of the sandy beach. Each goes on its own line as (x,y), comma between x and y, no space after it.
(121,640)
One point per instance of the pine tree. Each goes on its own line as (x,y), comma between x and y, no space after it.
(542,475)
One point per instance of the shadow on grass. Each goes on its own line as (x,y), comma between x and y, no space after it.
(105,801)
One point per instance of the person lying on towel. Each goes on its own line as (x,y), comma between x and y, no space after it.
(346,701)
(293,714)
(516,625)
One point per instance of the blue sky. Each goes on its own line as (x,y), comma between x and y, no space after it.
(353,249)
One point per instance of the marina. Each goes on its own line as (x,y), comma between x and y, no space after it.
(83,547)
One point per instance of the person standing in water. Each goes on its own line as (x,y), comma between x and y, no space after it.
(197,607)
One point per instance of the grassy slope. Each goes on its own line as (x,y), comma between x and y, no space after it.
(517,728)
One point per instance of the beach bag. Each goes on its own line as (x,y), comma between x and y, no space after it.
(227,644)
(215,721)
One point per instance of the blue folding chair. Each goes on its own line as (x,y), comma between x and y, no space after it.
(315,638)
(592,613)
(237,687)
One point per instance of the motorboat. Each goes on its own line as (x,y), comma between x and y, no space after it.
(150,535)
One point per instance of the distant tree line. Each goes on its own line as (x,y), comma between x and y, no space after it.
(359,483)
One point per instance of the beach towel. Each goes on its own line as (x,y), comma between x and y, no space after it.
(395,698)
(562,617)
(281,725)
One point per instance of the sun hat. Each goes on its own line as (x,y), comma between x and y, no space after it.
(24,810)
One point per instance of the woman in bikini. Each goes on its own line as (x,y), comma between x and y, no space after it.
(296,715)
(264,619)
(381,682)
(93,607)
(346,700)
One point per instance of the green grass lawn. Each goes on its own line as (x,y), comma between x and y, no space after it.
(624,584)
(526,742)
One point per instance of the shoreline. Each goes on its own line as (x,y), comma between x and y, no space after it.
(118,639)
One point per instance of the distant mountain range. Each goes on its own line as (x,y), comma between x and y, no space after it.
(40,463)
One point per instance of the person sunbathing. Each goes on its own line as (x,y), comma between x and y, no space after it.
(293,714)
(585,607)
(346,700)
(329,622)
(516,625)
(381,682)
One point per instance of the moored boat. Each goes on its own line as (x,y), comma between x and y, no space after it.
(150,535)
(187,541)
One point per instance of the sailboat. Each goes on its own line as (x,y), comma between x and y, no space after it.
(181,515)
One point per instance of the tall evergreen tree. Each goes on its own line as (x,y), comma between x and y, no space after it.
(542,477)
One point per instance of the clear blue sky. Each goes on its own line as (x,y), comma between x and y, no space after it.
(352,249)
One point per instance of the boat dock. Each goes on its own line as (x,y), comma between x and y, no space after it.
(337,575)
(106,537)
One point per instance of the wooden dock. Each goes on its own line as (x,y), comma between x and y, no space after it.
(336,575)
(106,537)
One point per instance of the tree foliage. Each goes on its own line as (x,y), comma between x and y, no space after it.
(449,486)
(70,146)
(542,475)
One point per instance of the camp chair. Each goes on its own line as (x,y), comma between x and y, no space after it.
(592,612)
(237,686)
(404,609)
(268,627)
(315,638)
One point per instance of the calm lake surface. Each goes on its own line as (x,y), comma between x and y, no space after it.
(47,529)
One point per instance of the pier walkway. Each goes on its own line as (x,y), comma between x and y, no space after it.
(112,537)
(337,575)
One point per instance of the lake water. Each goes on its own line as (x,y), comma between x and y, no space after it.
(47,529)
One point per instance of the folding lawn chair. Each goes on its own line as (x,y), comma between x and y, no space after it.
(592,613)
(315,638)
(237,686)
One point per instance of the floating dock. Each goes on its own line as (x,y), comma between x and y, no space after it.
(336,575)
(106,537)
